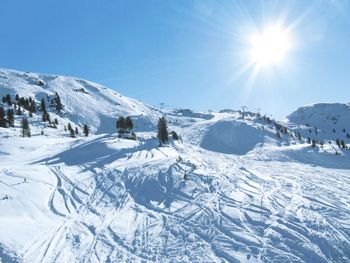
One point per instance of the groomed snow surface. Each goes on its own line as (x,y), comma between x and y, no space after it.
(248,197)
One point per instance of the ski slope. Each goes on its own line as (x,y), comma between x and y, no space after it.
(248,197)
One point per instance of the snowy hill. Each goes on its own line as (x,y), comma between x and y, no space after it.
(323,121)
(84,102)
(229,191)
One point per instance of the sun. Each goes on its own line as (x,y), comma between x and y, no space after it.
(270,46)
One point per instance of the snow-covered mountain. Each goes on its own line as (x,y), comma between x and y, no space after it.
(84,102)
(322,121)
(230,190)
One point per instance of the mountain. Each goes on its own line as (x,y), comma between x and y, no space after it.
(322,121)
(84,102)
(232,189)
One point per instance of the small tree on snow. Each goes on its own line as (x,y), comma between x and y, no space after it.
(42,105)
(58,104)
(25,130)
(129,124)
(86,130)
(2,118)
(10,117)
(174,135)
(121,125)
(163,134)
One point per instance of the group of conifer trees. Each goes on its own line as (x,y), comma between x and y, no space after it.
(19,104)
(125,125)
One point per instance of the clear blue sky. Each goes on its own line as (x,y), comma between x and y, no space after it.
(184,53)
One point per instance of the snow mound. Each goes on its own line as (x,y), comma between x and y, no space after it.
(231,137)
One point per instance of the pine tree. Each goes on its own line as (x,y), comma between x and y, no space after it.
(129,124)
(313,143)
(8,99)
(121,125)
(10,117)
(46,116)
(58,104)
(174,135)
(76,130)
(17,97)
(56,121)
(25,130)
(86,130)
(163,134)
(299,136)
(72,133)
(337,142)
(342,143)
(42,105)
(2,118)
(69,127)
(308,140)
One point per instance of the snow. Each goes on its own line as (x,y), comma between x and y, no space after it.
(331,120)
(249,196)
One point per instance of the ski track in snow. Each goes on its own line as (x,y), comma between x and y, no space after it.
(239,211)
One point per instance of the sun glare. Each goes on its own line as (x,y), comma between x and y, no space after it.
(270,46)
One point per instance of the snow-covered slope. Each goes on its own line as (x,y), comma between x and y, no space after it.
(323,121)
(84,102)
(248,196)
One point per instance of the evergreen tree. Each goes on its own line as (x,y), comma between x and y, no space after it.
(17,97)
(58,104)
(69,127)
(342,143)
(308,140)
(42,105)
(163,134)
(174,135)
(129,124)
(46,116)
(86,130)
(2,118)
(313,143)
(8,100)
(76,130)
(337,142)
(10,117)
(72,133)
(56,121)
(299,136)
(121,125)
(25,130)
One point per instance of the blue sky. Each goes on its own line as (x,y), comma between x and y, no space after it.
(184,53)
